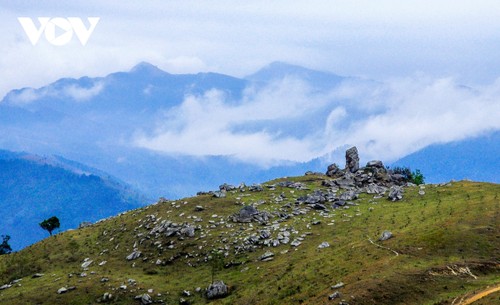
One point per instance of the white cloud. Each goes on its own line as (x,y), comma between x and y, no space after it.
(419,112)
(83,94)
(205,125)
(410,114)
(74,92)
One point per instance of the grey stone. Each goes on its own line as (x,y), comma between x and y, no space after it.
(84,224)
(334,295)
(5,286)
(332,170)
(219,194)
(106,297)
(62,290)
(385,236)
(338,285)
(255,188)
(395,193)
(267,256)
(217,290)
(134,255)
(227,187)
(348,195)
(87,263)
(324,245)
(145,299)
(375,163)
(188,231)
(352,159)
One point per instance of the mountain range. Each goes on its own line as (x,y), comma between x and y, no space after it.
(100,121)
(34,188)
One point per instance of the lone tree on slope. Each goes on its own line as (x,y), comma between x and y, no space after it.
(4,246)
(50,224)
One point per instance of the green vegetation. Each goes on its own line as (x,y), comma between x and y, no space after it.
(447,244)
(415,177)
(50,224)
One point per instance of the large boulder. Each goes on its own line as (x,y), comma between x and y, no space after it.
(333,169)
(395,193)
(249,213)
(352,159)
(217,290)
(246,213)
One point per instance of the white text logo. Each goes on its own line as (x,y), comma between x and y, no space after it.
(58,31)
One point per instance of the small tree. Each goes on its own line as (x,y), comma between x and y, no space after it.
(216,262)
(417,177)
(50,224)
(4,246)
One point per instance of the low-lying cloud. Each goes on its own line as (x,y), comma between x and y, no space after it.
(385,120)
(74,92)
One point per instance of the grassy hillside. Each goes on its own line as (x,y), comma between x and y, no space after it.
(446,245)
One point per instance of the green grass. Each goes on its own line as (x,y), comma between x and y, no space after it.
(450,225)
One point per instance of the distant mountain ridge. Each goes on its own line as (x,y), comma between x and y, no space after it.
(33,188)
(475,159)
(95,120)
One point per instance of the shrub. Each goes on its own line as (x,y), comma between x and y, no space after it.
(415,177)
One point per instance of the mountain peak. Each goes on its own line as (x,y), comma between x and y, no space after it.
(145,67)
(278,70)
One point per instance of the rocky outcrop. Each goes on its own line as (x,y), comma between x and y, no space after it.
(352,160)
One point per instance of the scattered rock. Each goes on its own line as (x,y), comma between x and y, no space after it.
(324,245)
(334,295)
(5,286)
(217,290)
(183,301)
(338,285)
(86,263)
(385,236)
(227,187)
(268,256)
(134,255)
(255,188)
(145,299)
(37,275)
(106,297)
(62,290)
(219,194)
(84,224)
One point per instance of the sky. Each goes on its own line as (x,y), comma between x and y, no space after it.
(422,51)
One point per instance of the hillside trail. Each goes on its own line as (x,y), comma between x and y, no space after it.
(479,295)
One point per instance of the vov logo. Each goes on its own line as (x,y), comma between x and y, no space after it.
(58,30)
